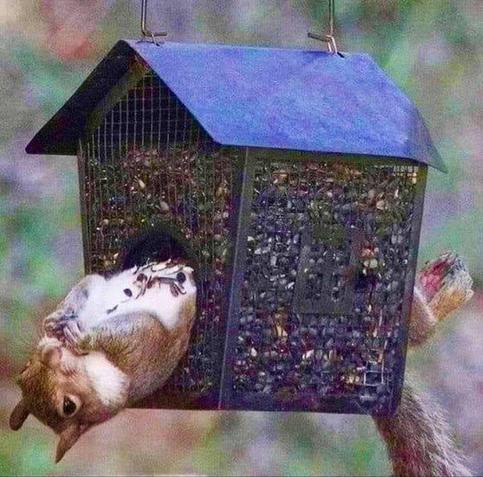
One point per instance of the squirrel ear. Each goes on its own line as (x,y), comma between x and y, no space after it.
(18,416)
(51,356)
(68,438)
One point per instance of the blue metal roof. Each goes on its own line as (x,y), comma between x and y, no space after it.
(263,97)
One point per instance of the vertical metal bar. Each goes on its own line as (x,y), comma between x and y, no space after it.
(161,121)
(95,197)
(113,194)
(111,143)
(144,12)
(207,266)
(243,202)
(167,176)
(146,33)
(95,183)
(185,119)
(422,171)
(328,38)
(151,84)
(81,166)
(104,125)
(160,114)
(189,194)
(91,201)
(135,115)
(175,143)
(122,155)
(101,162)
(143,110)
(119,129)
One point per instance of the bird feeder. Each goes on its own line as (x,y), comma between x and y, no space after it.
(297,177)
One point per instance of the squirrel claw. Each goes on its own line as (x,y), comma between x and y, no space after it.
(50,324)
(73,332)
(176,289)
(57,322)
(74,337)
(66,329)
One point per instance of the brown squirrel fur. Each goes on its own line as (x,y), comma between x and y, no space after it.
(417,437)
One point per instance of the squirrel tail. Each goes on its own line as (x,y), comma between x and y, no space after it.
(418,439)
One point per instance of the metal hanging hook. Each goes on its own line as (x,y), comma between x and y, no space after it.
(330,38)
(146,33)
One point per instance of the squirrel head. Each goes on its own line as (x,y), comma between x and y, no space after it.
(70,393)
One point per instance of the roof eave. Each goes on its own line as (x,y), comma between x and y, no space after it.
(61,133)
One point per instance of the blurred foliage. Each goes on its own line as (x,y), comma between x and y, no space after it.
(432,50)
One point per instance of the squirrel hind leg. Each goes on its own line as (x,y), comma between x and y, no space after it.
(446,284)
(417,437)
(442,286)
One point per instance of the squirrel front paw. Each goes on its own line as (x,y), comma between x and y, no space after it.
(68,330)
(75,337)
(54,324)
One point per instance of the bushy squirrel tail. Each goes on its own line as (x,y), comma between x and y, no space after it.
(419,441)
(417,437)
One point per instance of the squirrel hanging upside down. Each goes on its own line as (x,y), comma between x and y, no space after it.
(110,343)
(90,364)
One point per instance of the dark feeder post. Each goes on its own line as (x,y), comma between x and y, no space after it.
(297,178)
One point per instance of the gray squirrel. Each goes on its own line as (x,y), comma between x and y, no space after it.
(110,343)
(92,362)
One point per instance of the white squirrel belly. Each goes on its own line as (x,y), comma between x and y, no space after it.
(90,314)
(109,382)
(121,294)
(157,301)
(105,294)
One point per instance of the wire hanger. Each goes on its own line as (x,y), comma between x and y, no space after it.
(330,38)
(147,34)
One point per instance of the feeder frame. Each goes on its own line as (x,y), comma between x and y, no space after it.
(112,118)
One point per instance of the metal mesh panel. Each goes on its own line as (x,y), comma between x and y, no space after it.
(329,250)
(322,301)
(149,160)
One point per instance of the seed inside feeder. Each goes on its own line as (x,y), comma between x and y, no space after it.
(310,309)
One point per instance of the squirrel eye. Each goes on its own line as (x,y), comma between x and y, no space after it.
(69,406)
(181,277)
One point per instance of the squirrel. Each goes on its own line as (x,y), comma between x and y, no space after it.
(91,362)
(89,365)
(417,437)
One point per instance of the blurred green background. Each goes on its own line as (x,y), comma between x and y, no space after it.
(432,48)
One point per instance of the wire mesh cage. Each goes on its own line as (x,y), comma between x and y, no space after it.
(150,163)
(299,193)
(326,246)
(326,286)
